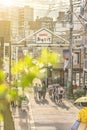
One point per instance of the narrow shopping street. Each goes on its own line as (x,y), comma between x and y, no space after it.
(43,50)
(46,115)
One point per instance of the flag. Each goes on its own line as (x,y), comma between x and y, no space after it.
(66,53)
(75,59)
(66,57)
(66,62)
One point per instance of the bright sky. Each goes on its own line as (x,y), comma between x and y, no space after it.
(34,2)
(41,6)
(11,2)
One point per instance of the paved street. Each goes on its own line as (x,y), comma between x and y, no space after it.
(46,115)
(21,119)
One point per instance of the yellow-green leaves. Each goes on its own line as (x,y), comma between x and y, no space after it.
(30,67)
(2,76)
(1,117)
(3,90)
(48,57)
(12,94)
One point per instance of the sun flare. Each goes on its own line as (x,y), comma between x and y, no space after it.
(6,2)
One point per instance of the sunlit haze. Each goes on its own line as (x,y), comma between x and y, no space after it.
(7,2)
(41,7)
(30,2)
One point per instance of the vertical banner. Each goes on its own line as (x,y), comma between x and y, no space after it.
(77,79)
(66,62)
(75,59)
(66,53)
(66,57)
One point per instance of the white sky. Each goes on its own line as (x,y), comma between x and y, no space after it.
(41,7)
(22,2)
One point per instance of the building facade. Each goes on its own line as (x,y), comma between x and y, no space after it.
(22,24)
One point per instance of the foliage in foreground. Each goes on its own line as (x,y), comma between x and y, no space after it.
(29,67)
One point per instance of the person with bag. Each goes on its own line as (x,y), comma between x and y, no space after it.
(43,89)
(82,117)
(60,93)
(75,125)
(35,90)
(39,91)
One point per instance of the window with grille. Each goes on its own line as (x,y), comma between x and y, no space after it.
(6,51)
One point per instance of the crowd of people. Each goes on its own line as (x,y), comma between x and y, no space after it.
(56,92)
(40,91)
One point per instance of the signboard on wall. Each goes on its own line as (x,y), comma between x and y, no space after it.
(75,59)
(77,79)
(44,37)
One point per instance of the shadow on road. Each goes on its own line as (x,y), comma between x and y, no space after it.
(52,126)
(64,106)
(24,120)
(42,101)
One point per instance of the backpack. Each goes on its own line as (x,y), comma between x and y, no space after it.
(39,88)
(61,91)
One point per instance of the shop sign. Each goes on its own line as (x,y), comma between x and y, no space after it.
(43,37)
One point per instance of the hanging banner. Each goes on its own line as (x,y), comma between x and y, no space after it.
(75,59)
(66,53)
(66,62)
(66,57)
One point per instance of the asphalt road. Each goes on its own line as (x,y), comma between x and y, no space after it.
(46,115)
(21,119)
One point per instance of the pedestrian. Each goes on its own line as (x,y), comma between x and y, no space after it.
(39,91)
(60,93)
(57,94)
(35,90)
(54,93)
(85,90)
(82,117)
(43,89)
(75,87)
(50,90)
(24,103)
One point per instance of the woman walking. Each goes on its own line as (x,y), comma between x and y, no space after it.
(43,89)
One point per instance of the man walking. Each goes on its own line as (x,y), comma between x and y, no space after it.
(43,89)
(60,93)
(35,90)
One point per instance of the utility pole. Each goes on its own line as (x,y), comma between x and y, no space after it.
(85,45)
(10,63)
(70,71)
(1,51)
